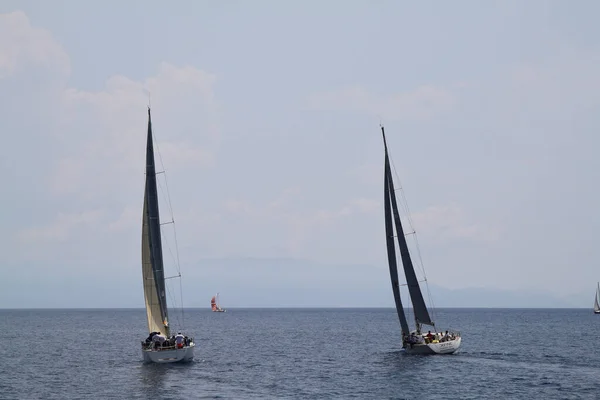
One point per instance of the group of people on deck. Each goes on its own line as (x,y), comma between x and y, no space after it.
(418,338)
(158,341)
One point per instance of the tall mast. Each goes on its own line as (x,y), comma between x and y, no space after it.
(391,250)
(419,307)
(156,255)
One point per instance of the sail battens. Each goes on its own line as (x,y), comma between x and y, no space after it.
(414,290)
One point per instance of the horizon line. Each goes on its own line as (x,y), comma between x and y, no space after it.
(292,308)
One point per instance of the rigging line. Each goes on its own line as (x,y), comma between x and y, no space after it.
(178,263)
(175,305)
(170,293)
(167,195)
(406,284)
(170,251)
(181,295)
(176,256)
(167,286)
(400,188)
(166,242)
(408,214)
(177,260)
(165,239)
(407,301)
(425,276)
(173,218)
(395,236)
(404,204)
(170,204)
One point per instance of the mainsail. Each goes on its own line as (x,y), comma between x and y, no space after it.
(152,257)
(391,208)
(597,300)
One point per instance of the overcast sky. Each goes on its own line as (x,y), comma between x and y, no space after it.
(267,118)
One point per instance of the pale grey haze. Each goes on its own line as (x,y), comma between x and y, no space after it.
(267,114)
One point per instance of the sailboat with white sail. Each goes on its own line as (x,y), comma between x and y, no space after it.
(214,304)
(597,300)
(160,346)
(415,341)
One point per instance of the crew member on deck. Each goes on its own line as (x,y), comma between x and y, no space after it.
(179,339)
(151,336)
(158,340)
(429,337)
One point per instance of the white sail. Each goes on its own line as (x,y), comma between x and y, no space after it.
(155,323)
(596,300)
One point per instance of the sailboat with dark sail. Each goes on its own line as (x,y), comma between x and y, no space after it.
(597,300)
(160,346)
(415,341)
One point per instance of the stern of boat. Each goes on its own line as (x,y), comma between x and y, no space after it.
(170,355)
(435,347)
(448,347)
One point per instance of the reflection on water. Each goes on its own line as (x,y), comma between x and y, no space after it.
(155,378)
(152,377)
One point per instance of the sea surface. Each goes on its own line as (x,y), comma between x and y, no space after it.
(301,354)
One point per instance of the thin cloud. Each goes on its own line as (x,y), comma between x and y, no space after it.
(100,135)
(22,44)
(494,164)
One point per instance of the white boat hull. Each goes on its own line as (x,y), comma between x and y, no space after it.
(448,347)
(185,354)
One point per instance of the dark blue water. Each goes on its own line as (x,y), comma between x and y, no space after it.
(295,353)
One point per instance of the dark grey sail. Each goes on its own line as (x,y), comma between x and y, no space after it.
(391,252)
(154,235)
(416,297)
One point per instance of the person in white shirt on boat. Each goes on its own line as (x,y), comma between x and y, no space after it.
(158,339)
(179,340)
(445,337)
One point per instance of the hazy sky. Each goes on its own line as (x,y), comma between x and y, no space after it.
(267,117)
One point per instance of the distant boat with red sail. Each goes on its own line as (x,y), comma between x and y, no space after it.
(214,304)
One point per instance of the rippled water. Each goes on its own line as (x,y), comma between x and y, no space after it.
(300,353)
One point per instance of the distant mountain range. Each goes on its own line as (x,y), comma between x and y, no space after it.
(497,298)
(258,282)
(282,282)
